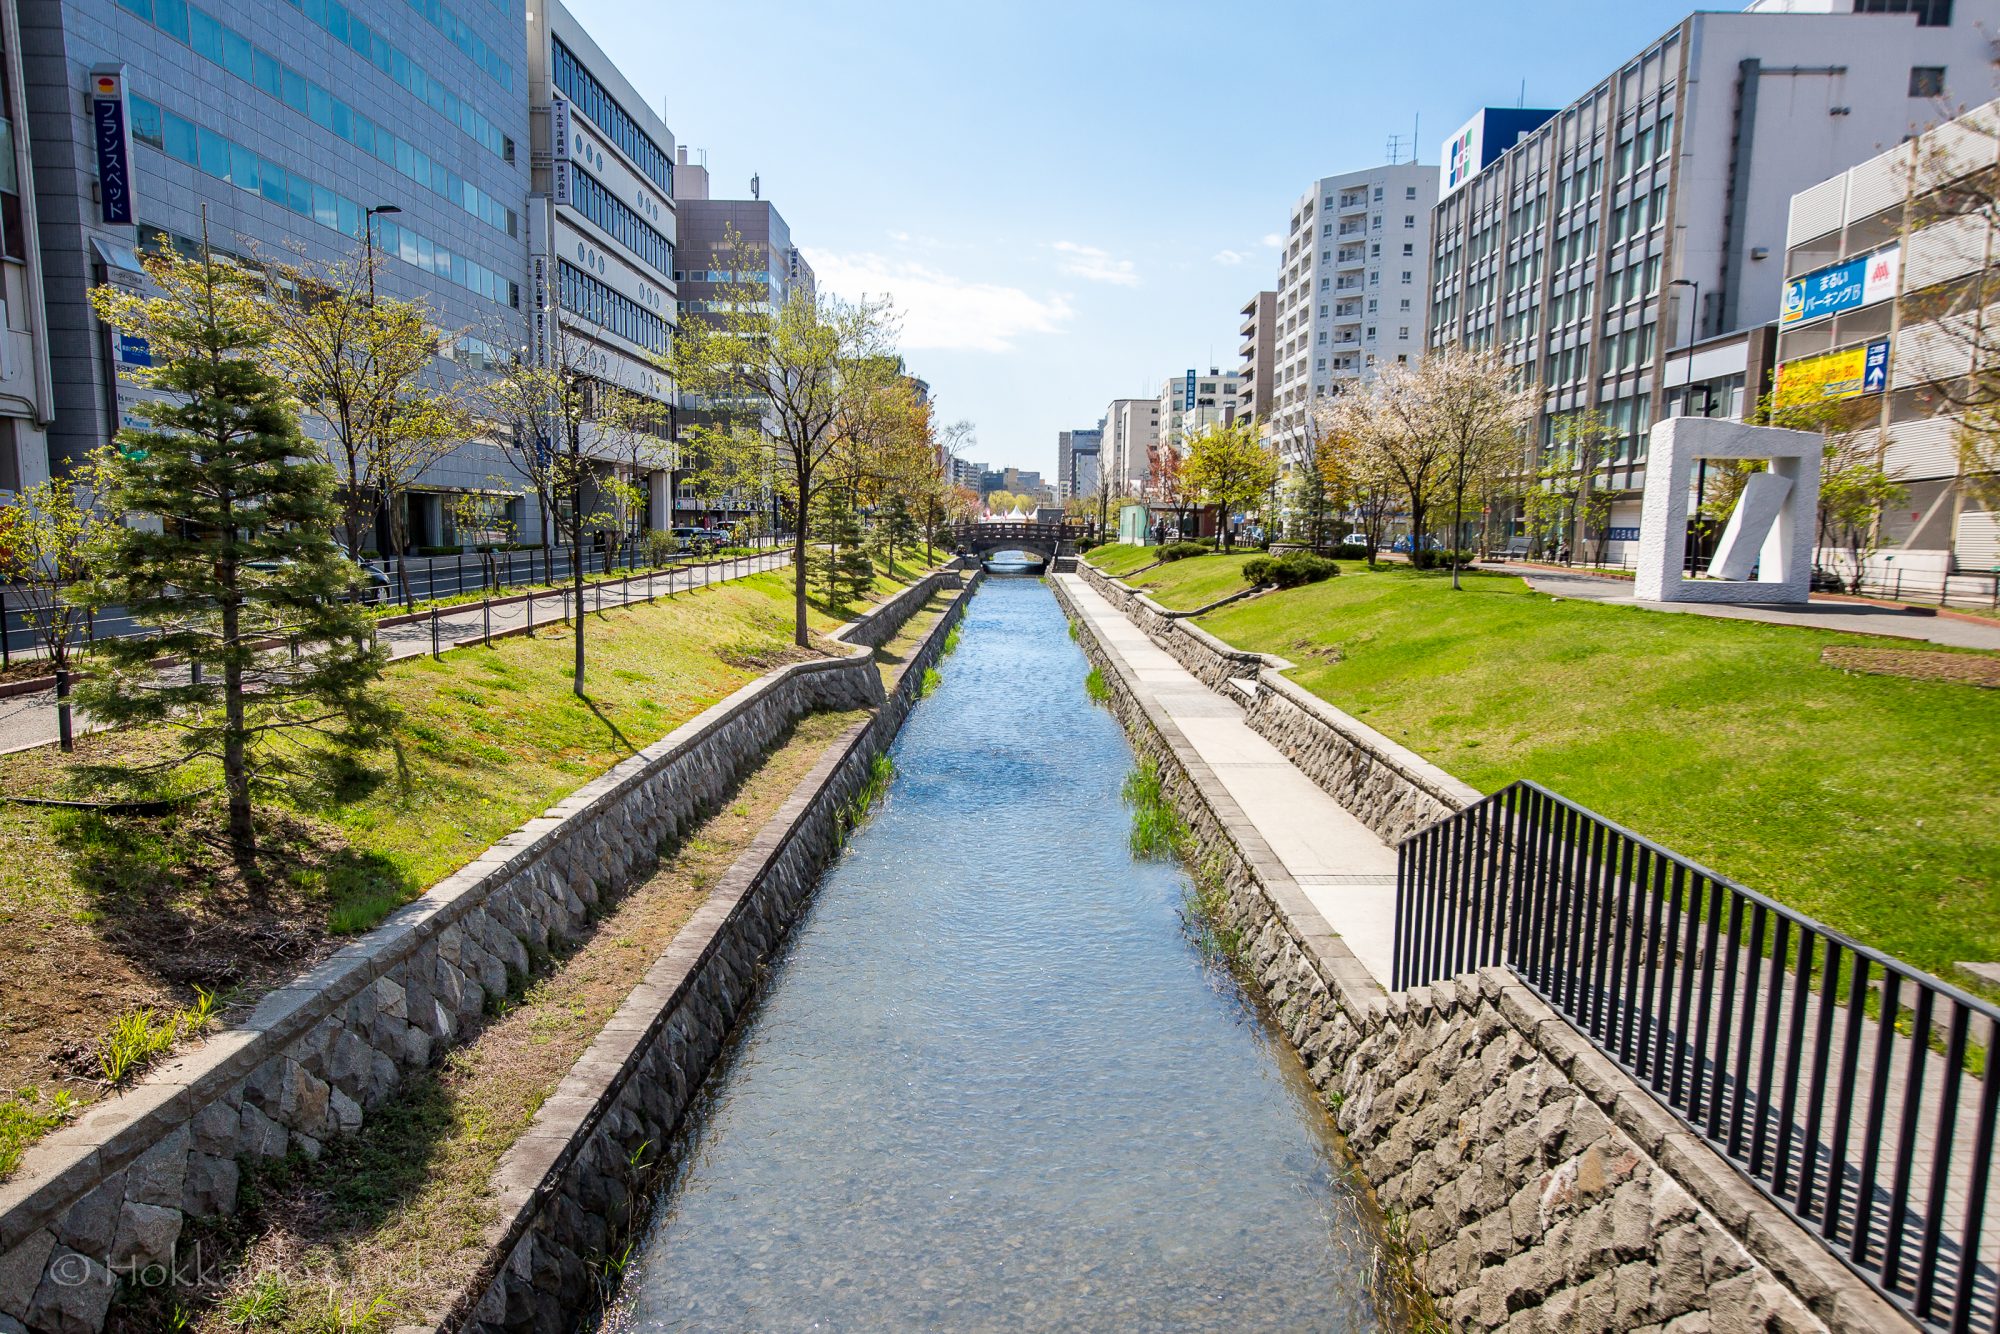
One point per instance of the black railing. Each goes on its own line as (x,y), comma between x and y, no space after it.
(1849,1087)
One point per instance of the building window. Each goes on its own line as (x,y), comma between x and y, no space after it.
(590,97)
(1409,221)
(1403,331)
(1930,13)
(1406,277)
(1927,81)
(1409,250)
(1409,192)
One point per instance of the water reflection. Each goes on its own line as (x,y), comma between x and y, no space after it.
(992,1085)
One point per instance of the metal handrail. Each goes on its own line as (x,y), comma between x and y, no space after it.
(1772,1036)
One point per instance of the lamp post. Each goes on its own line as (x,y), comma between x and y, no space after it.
(368,216)
(1687,395)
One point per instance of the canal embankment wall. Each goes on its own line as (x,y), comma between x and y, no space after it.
(106,1197)
(1535,1185)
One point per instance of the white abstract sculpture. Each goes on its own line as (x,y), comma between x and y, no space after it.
(1770,529)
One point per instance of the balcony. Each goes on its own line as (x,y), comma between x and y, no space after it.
(1354,203)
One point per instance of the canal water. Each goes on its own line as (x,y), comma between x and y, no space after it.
(992,1084)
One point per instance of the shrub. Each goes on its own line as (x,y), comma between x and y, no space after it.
(1084,544)
(1183,550)
(1351,551)
(1290,570)
(1442,560)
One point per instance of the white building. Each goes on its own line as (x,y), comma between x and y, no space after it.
(1190,403)
(1131,429)
(1352,288)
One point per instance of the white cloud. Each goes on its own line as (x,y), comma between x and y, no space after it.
(938,309)
(1231,258)
(1095,265)
(899,237)
(1273,240)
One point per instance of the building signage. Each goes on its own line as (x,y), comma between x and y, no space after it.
(111,133)
(134,350)
(559,182)
(538,309)
(1848,373)
(1839,287)
(1621,534)
(1189,396)
(1461,155)
(559,128)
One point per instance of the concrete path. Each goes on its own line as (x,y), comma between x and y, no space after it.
(27,721)
(1854,618)
(1344,869)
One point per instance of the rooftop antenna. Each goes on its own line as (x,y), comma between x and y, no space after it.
(1416,135)
(756,186)
(1522,101)
(1395,149)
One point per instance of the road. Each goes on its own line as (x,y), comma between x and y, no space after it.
(27,721)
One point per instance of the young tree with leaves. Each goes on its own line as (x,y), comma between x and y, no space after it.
(1228,467)
(1564,502)
(53,536)
(787,375)
(1460,416)
(244,552)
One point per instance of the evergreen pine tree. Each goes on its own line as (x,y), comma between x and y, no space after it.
(243,555)
(842,566)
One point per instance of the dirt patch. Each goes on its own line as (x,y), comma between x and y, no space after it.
(388,1223)
(765,658)
(1970,669)
(1306,648)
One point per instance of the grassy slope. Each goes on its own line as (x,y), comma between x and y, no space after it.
(1870,802)
(1119,560)
(1183,585)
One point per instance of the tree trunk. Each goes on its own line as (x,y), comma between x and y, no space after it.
(799,635)
(1457,526)
(235,759)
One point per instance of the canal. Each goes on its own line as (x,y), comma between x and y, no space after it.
(991,1082)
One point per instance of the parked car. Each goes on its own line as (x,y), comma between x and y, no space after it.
(698,539)
(375,580)
(1403,545)
(1355,540)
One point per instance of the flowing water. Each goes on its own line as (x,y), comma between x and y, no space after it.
(992,1084)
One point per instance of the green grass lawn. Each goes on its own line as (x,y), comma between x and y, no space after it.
(1869,802)
(1118,560)
(1184,585)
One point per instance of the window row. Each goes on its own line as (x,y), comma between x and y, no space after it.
(394,62)
(226,160)
(615,217)
(589,96)
(461,35)
(584,296)
(218,42)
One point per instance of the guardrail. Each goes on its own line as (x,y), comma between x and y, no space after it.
(1853,1090)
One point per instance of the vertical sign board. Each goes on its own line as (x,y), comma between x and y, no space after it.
(559,150)
(111,134)
(1188,404)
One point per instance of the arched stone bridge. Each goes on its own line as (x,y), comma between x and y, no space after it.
(1047,540)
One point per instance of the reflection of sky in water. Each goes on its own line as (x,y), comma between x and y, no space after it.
(991,1085)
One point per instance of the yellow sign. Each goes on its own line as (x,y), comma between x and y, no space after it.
(1848,373)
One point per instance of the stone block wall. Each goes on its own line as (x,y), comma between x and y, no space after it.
(1207,658)
(1537,1186)
(108,1195)
(573,1187)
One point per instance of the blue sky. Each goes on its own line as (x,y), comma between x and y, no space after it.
(1072,201)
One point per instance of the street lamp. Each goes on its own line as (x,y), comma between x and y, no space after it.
(368,229)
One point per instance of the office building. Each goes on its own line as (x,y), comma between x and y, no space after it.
(1889,303)
(601,240)
(1191,403)
(1651,212)
(1253,377)
(27,393)
(1131,429)
(279,128)
(1351,289)
(1075,451)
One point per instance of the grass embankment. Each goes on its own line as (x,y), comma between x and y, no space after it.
(1184,585)
(1871,802)
(387,1224)
(1119,560)
(106,916)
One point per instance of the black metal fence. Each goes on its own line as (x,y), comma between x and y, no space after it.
(1851,1088)
(430,578)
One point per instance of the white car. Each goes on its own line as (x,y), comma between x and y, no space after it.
(1355,540)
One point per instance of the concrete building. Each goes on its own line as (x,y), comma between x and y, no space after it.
(1651,212)
(1889,302)
(281,127)
(1131,429)
(601,239)
(27,392)
(1190,403)
(726,242)
(1076,452)
(1351,288)
(1254,376)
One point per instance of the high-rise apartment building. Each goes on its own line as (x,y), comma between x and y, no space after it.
(304,126)
(1253,377)
(601,239)
(1076,454)
(1651,211)
(1131,430)
(1352,290)
(1190,403)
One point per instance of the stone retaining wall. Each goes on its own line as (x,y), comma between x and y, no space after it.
(1538,1187)
(1210,660)
(107,1196)
(571,1189)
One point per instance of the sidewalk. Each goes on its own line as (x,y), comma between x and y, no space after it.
(27,721)
(1853,618)
(1347,873)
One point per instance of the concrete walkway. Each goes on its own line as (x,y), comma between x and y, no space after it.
(27,721)
(1347,873)
(1852,618)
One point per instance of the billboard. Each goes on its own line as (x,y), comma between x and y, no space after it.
(111,136)
(1188,405)
(1479,142)
(1839,287)
(1848,373)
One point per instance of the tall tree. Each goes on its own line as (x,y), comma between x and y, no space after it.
(53,536)
(1564,500)
(1854,488)
(786,374)
(1229,467)
(244,551)
(1461,410)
